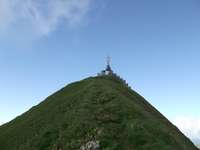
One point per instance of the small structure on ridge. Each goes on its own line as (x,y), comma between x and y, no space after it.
(109,71)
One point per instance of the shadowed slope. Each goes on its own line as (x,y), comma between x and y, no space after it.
(95,109)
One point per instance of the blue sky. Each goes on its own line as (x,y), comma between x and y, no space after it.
(154,45)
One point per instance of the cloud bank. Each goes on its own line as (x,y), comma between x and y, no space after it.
(190,126)
(41,17)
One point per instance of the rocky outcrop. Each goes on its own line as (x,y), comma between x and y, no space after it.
(91,145)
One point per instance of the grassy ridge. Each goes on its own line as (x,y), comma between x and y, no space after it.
(95,109)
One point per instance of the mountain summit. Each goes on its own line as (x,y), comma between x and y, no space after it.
(95,113)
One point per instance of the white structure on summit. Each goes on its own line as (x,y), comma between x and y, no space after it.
(109,71)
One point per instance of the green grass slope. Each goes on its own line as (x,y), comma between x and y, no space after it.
(95,109)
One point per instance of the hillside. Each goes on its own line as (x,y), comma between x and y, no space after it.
(95,109)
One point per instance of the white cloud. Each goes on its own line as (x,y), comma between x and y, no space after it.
(38,18)
(190,126)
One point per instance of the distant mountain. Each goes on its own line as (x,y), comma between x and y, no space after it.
(98,112)
(196,141)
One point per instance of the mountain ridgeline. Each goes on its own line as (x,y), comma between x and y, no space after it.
(99,109)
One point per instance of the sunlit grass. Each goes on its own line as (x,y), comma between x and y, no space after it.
(95,109)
